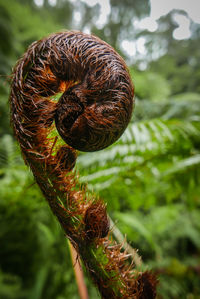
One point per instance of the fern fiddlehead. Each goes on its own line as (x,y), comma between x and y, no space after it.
(77,85)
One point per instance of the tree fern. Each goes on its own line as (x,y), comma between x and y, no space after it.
(143,142)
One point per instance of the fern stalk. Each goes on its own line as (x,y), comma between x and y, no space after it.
(64,64)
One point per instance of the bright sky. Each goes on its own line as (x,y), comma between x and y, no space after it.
(161,7)
(158,9)
(192,7)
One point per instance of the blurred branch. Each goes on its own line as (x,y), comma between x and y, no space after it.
(120,238)
(82,289)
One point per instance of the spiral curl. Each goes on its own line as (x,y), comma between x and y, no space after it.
(94,107)
(97,99)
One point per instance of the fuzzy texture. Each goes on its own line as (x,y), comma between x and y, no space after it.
(94,107)
(96,221)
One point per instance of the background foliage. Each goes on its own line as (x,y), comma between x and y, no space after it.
(149,178)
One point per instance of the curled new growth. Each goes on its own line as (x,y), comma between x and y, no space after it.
(77,85)
(97,95)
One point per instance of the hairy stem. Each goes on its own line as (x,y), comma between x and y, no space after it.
(76,86)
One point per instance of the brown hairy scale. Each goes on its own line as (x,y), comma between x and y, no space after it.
(94,108)
(96,221)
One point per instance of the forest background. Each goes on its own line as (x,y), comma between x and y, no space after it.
(149,178)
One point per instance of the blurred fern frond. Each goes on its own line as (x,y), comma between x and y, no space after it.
(9,154)
(143,142)
(155,159)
